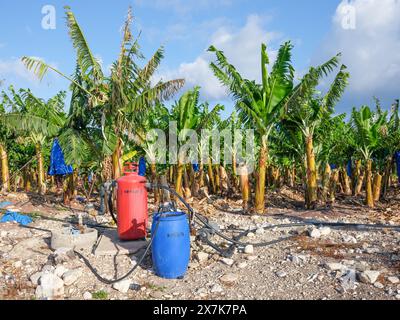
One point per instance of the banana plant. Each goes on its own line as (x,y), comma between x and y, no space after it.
(4,137)
(36,120)
(308,113)
(367,126)
(259,105)
(113,103)
(186,113)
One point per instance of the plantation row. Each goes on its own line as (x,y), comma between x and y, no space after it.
(300,140)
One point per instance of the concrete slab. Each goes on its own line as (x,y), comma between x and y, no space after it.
(108,244)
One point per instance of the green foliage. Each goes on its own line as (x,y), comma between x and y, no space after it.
(100,295)
(367,127)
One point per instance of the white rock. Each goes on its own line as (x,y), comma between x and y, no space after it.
(369,276)
(50,286)
(228,262)
(249,249)
(62,255)
(242,265)
(349,239)
(325,231)
(202,256)
(260,231)
(17,264)
(314,233)
(35,278)
(229,278)
(398,297)
(334,266)
(250,235)
(217,289)
(47,268)
(3,234)
(60,270)
(122,286)
(393,280)
(71,276)
(281,274)
(87,295)
(378,285)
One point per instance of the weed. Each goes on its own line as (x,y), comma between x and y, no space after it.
(100,295)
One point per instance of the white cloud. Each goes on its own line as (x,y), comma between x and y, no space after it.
(371,50)
(12,70)
(242,48)
(15,68)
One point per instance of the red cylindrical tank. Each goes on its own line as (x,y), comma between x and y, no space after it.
(132,206)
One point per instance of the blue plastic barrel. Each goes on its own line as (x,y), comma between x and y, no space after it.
(171,244)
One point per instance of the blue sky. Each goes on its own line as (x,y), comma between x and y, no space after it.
(188,27)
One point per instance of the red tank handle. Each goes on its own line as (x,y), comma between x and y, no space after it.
(131,168)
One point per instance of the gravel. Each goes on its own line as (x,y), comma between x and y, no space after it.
(339,264)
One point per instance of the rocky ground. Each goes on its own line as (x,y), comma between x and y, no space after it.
(311,262)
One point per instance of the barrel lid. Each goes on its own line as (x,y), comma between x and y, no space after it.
(171,214)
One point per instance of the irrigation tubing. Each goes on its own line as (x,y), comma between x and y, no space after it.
(108,281)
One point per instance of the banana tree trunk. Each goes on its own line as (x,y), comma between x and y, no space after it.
(165,195)
(332,186)
(5,173)
(217,179)
(292,177)
(358,179)
(68,189)
(311,174)
(245,186)
(171,174)
(40,174)
(277,177)
(186,184)
(345,182)
(386,177)
(107,169)
(179,175)
(225,183)
(75,182)
(201,175)
(368,187)
(27,179)
(211,175)
(153,170)
(260,180)
(325,183)
(116,161)
(377,187)
(360,182)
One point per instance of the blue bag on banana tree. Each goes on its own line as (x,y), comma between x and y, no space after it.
(196,167)
(349,169)
(397,158)
(142,166)
(57,162)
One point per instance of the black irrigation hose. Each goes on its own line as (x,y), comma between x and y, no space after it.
(108,281)
(110,203)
